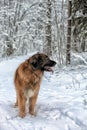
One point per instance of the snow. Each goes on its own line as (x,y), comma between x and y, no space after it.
(61,105)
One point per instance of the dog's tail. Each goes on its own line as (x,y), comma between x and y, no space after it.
(16,76)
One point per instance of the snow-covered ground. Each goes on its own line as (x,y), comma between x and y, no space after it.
(61,105)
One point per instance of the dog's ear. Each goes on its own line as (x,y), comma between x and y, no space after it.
(34,63)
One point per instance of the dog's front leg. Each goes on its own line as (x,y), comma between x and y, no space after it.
(32,103)
(21,104)
(33,99)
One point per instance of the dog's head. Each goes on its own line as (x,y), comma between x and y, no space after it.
(42,62)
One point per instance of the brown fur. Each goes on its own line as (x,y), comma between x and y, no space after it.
(27,82)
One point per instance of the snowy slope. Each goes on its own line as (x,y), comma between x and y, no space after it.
(61,105)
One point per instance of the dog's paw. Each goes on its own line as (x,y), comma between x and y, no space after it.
(32,113)
(22,115)
(15,105)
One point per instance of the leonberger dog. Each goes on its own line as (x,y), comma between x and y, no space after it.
(27,81)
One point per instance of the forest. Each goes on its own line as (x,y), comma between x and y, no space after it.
(56,27)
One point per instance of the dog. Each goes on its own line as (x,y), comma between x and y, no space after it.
(27,81)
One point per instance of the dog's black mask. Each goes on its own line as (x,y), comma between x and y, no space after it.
(48,66)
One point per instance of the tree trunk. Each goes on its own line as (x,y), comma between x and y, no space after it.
(68,47)
(48,29)
(83,44)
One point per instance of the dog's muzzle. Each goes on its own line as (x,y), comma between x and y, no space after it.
(49,66)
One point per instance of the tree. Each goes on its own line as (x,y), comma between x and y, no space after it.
(33,26)
(48,28)
(59,30)
(21,26)
(68,47)
(79,22)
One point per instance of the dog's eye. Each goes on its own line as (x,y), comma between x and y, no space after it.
(46,57)
(35,64)
(39,60)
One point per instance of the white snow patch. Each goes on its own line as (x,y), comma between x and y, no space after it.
(61,105)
